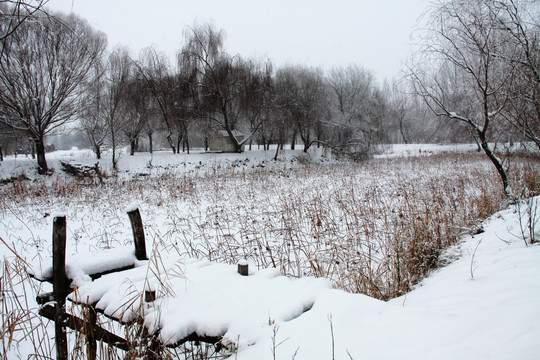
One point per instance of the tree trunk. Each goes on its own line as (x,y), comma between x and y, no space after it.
(40,152)
(186,141)
(171,143)
(497,162)
(276,154)
(238,147)
(113,145)
(150,144)
(132,146)
(97,151)
(402,130)
(179,139)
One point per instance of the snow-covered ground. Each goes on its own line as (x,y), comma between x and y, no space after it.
(485,304)
(145,163)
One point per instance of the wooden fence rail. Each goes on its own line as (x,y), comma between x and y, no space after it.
(61,289)
(53,304)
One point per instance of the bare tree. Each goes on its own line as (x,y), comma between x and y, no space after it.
(163,86)
(462,39)
(13,13)
(234,92)
(400,108)
(306,100)
(92,120)
(138,110)
(114,105)
(358,111)
(42,67)
(352,87)
(520,20)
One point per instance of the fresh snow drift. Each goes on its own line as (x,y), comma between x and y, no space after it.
(493,314)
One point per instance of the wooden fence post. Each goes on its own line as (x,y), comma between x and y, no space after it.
(60,286)
(138,234)
(91,344)
(243,268)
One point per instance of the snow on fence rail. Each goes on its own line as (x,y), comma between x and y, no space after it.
(175,301)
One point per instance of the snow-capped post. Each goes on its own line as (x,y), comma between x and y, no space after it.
(243,267)
(149,292)
(60,285)
(149,296)
(138,233)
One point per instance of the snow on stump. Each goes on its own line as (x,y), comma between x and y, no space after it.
(243,267)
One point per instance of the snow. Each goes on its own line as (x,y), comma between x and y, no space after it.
(80,266)
(132,207)
(491,311)
(485,304)
(450,315)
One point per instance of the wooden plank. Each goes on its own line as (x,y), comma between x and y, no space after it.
(59,285)
(93,276)
(197,338)
(75,323)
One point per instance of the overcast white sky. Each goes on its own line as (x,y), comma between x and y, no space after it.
(371,33)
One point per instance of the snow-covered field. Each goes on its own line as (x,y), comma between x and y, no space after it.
(307,216)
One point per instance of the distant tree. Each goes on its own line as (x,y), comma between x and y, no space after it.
(280,126)
(233,91)
(359,111)
(306,101)
(163,85)
(10,140)
(352,87)
(93,123)
(464,40)
(138,110)
(152,124)
(520,21)
(42,67)
(13,13)
(115,103)
(400,107)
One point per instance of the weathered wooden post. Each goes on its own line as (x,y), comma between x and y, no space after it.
(243,268)
(91,344)
(149,296)
(59,286)
(138,234)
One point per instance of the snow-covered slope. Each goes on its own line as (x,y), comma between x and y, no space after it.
(484,305)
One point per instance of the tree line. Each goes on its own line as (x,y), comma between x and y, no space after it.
(474,77)
(209,90)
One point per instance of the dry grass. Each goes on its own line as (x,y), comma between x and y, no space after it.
(376,228)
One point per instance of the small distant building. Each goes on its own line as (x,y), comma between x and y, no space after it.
(221,142)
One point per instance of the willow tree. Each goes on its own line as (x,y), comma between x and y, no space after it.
(234,93)
(42,67)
